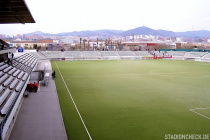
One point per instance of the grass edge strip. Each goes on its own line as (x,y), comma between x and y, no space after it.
(74,103)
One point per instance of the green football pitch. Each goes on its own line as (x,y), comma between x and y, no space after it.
(133,99)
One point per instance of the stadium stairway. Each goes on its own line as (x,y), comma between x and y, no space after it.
(205,55)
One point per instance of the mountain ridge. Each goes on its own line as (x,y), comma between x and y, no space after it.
(136,31)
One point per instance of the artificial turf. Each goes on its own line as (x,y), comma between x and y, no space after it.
(133,99)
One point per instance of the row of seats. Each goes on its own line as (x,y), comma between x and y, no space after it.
(12,79)
(2,63)
(3,67)
(109,53)
(27,60)
(88,54)
(126,53)
(38,55)
(78,54)
(176,53)
(8,104)
(52,54)
(142,53)
(74,54)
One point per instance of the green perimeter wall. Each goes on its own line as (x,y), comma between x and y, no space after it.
(186,50)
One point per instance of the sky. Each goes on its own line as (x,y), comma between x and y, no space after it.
(58,16)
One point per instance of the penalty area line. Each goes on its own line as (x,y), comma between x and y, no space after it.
(74,103)
(193,110)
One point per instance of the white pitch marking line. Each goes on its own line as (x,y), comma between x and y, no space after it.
(74,104)
(193,110)
(200,108)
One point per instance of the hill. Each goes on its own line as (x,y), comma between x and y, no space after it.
(88,33)
(137,31)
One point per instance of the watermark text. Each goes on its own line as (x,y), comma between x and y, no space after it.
(187,136)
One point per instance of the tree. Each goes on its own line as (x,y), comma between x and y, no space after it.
(35,46)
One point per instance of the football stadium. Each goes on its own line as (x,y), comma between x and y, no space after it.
(111,98)
(102,95)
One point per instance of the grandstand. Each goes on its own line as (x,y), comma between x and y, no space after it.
(13,78)
(14,73)
(93,55)
(113,55)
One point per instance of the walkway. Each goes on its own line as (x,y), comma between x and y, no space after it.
(40,116)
